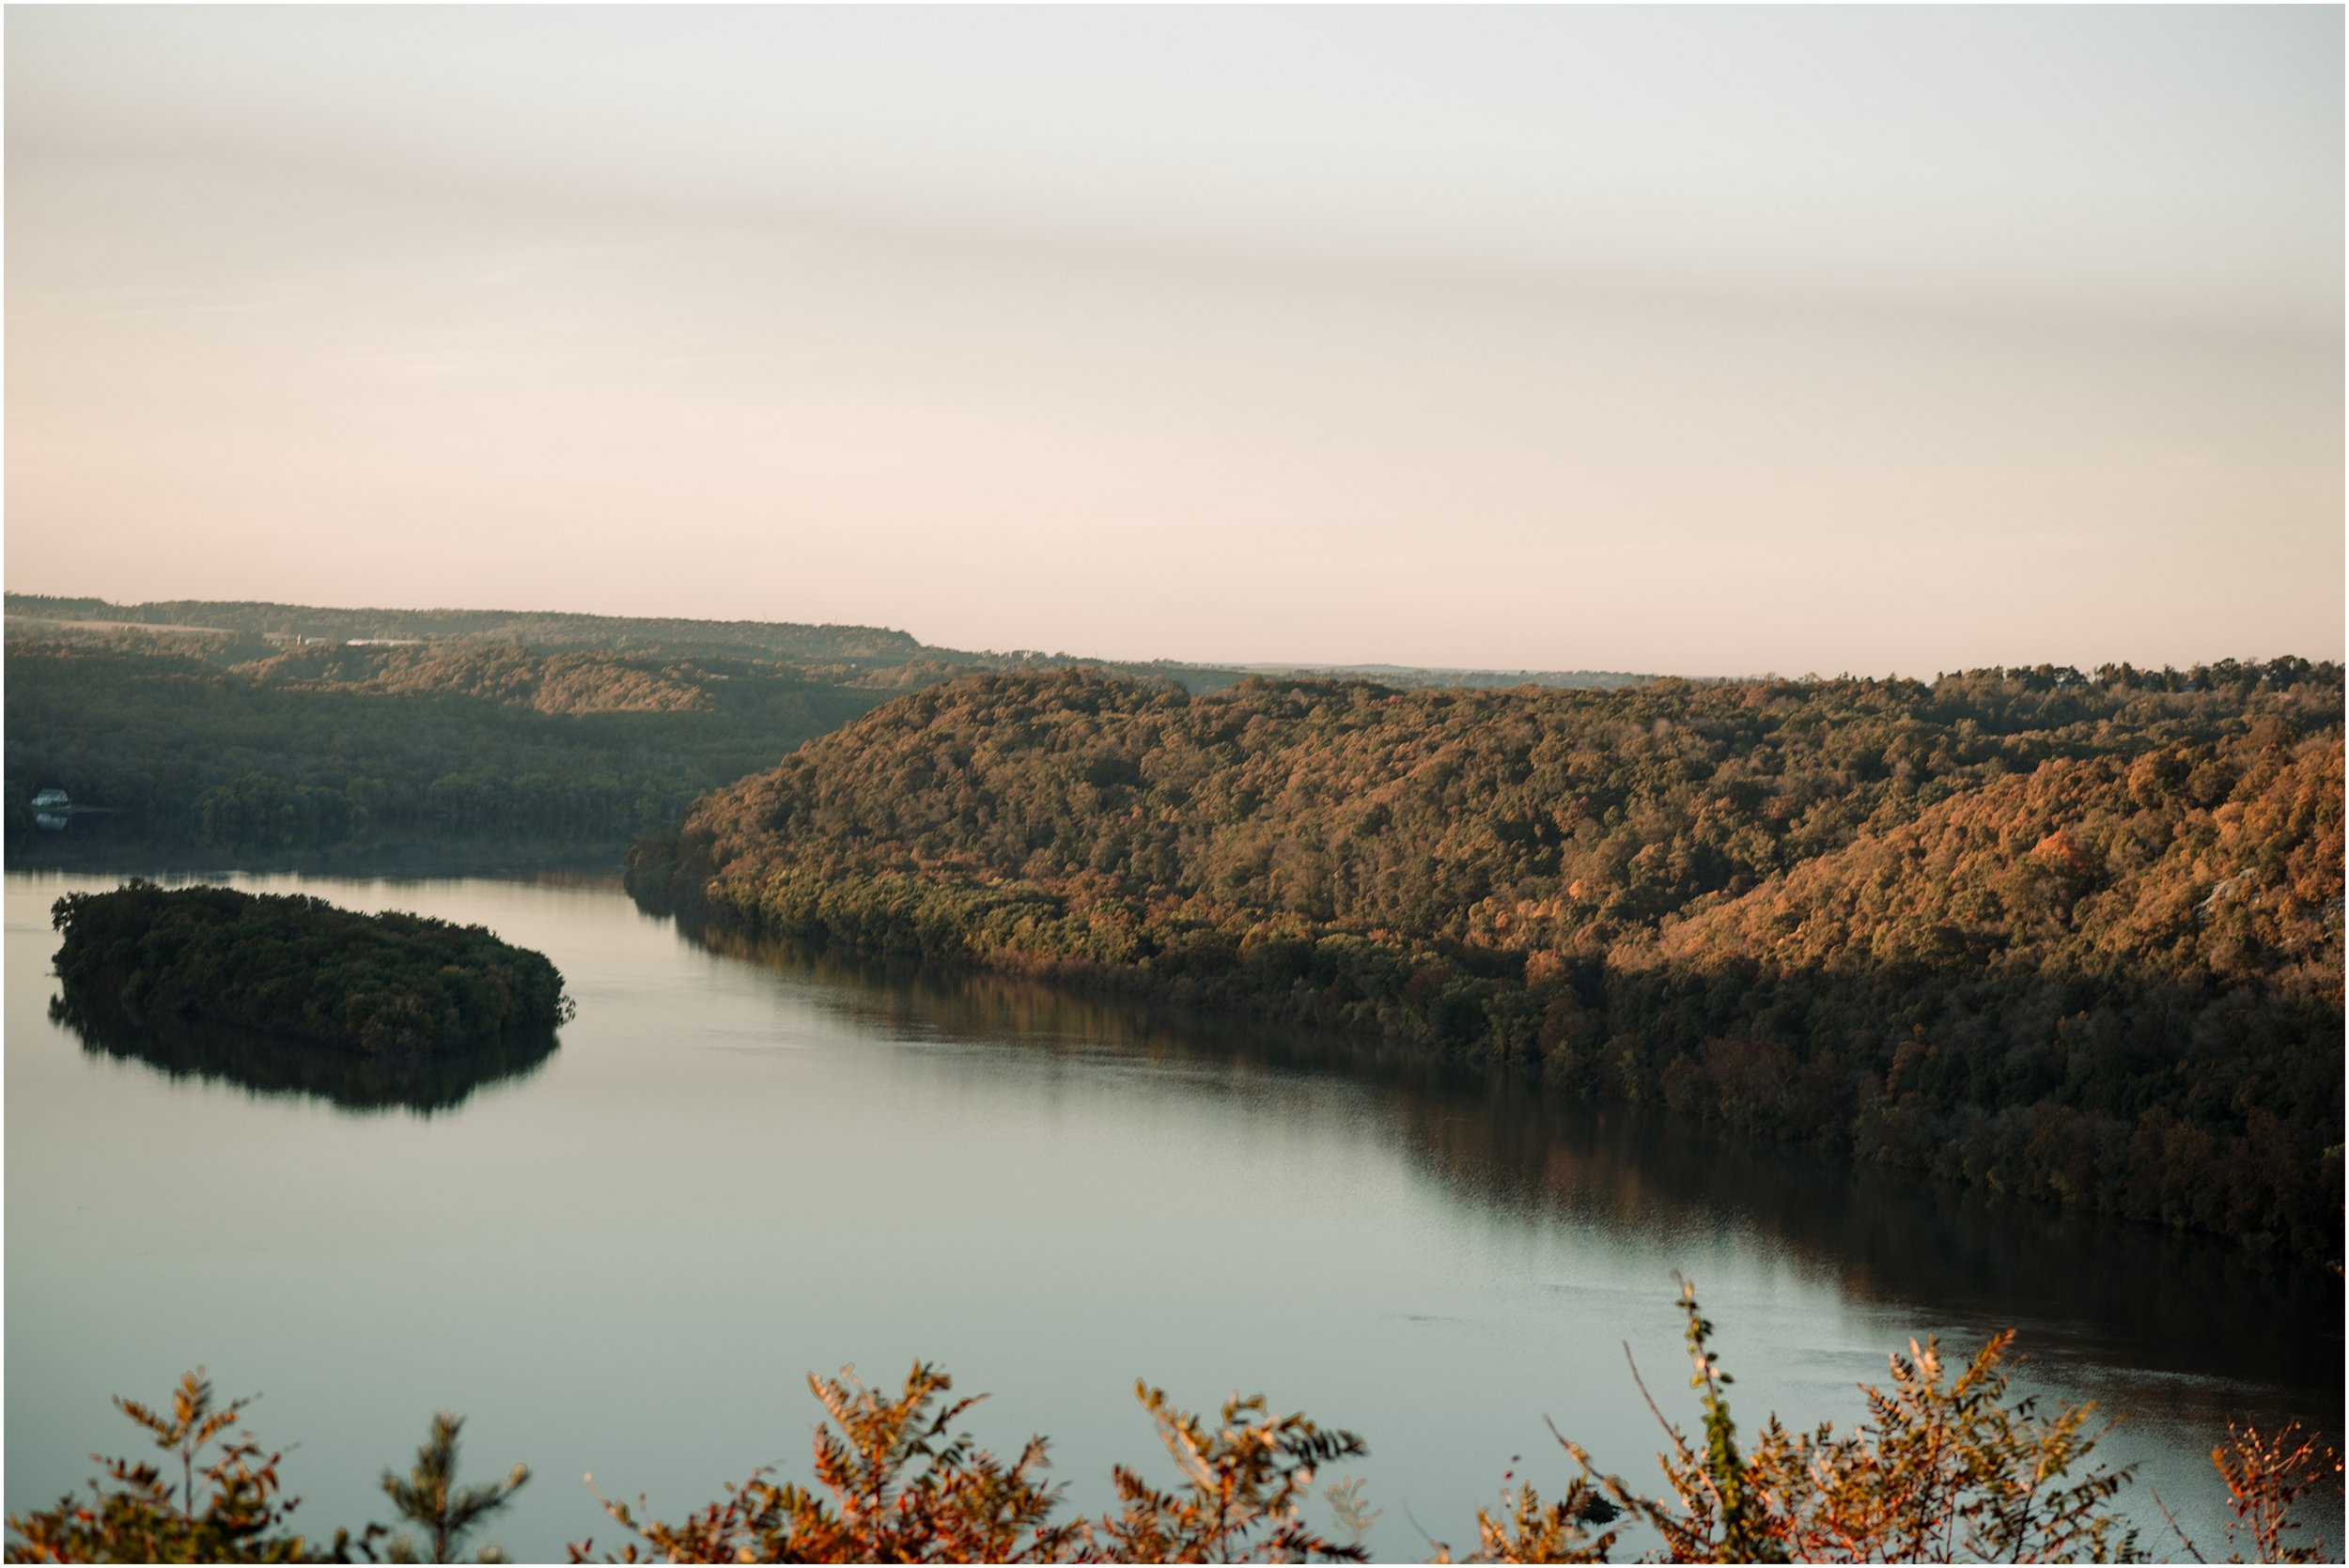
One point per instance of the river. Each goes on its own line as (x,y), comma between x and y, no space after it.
(742,1167)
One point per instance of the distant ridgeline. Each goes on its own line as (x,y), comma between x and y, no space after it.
(244,631)
(798,644)
(268,729)
(170,975)
(2073,936)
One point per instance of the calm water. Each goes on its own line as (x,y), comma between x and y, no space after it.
(741,1167)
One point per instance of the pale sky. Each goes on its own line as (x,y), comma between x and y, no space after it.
(1677,339)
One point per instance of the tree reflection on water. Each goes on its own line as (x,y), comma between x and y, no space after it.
(265,1064)
(2187,1306)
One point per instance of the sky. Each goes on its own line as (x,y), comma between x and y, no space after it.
(1673,339)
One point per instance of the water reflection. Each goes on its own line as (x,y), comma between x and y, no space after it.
(876,1164)
(263,1064)
(2077,1284)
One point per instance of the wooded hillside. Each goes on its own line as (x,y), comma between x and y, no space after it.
(359,747)
(2071,935)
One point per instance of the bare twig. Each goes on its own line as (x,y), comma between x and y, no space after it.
(1669,1429)
(2179,1530)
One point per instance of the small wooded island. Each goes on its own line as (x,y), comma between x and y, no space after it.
(299,968)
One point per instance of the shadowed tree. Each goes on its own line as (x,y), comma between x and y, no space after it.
(429,1498)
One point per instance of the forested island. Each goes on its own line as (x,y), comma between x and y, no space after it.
(385,986)
(2074,936)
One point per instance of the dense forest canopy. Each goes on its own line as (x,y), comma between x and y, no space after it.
(2074,936)
(388,985)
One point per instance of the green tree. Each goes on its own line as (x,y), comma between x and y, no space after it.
(429,1496)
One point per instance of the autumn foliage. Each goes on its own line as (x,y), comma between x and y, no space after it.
(1949,1467)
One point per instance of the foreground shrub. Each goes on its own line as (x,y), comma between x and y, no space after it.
(1947,1468)
(903,1490)
(2264,1477)
(137,1519)
(960,1504)
(244,1516)
(1943,1471)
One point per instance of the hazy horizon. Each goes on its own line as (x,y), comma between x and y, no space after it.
(1365,665)
(1674,340)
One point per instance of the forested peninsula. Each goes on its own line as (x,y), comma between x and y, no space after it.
(385,986)
(2074,936)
